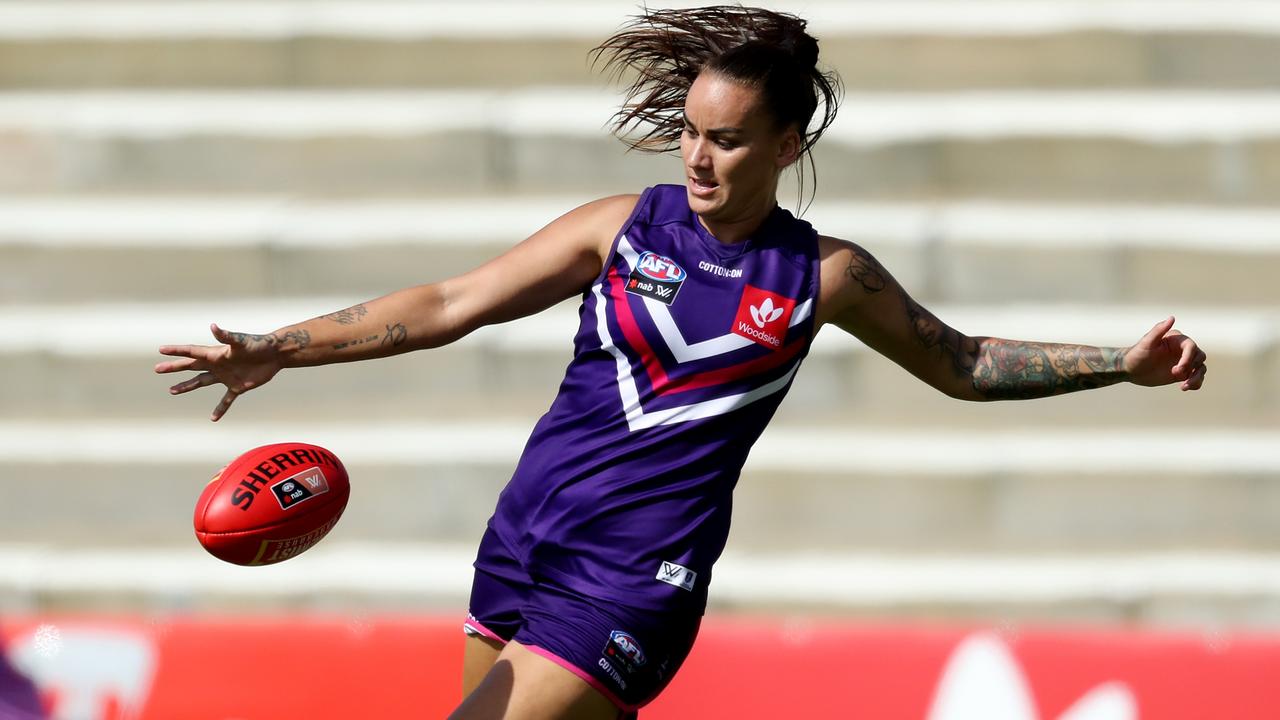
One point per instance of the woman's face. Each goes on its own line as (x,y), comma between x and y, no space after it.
(732,152)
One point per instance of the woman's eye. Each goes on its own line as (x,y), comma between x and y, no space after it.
(726,145)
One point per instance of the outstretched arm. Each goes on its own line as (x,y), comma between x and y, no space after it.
(861,297)
(555,263)
(1017,370)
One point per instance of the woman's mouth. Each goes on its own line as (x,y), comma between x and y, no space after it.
(702,188)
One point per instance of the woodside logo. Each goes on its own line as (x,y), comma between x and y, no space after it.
(763,317)
(765,313)
(983,678)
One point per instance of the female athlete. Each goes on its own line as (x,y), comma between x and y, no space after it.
(699,302)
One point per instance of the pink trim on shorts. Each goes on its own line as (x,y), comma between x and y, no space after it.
(473,624)
(591,679)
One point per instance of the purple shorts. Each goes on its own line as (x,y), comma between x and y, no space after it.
(628,654)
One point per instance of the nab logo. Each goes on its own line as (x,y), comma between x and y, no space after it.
(763,317)
(656,277)
(295,489)
(661,268)
(677,575)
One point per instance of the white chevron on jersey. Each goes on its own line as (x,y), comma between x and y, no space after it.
(637,418)
(674,339)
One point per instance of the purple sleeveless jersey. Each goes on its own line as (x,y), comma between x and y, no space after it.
(685,348)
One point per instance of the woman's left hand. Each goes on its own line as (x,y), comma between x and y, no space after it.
(1164,356)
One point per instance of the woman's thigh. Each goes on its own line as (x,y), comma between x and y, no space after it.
(478,655)
(526,685)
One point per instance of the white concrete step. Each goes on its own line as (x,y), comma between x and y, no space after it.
(864,487)
(1176,146)
(883,44)
(95,361)
(136,329)
(1176,588)
(150,248)
(589,19)
(790,448)
(293,221)
(1147,116)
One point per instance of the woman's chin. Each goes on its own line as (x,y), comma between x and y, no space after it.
(703,204)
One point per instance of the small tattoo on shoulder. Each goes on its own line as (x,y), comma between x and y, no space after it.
(866,271)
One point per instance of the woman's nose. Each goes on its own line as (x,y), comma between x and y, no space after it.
(697,155)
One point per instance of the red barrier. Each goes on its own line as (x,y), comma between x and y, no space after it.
(277,668)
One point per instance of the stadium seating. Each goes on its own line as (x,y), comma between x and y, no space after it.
(1074,171)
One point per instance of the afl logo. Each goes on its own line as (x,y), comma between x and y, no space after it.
(661,268)
(622,646)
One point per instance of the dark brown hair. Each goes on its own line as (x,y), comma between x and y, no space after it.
(667,50)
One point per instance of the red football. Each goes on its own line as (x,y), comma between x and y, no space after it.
(271,503)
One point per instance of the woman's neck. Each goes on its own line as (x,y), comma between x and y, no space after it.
(731,231)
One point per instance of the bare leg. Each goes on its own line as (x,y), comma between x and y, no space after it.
(527,686)
(478,656)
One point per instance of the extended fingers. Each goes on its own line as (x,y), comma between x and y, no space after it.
(224,404)
(204,379)
(195,357)
(172,366)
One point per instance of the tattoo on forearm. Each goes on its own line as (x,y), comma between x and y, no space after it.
(353,343)
(997,369)
(300,338)
(396,335)
(350,316)
(1009,370)
(866,271)
(250,339)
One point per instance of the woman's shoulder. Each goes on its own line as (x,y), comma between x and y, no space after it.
(614,203)
(607,212)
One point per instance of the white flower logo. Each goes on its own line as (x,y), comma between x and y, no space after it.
(982,679)
(82,667)
(766,313)
(47,641)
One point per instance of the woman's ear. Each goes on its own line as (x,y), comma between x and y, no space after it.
(789,148)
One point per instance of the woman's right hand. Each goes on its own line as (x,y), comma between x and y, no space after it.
(242,362)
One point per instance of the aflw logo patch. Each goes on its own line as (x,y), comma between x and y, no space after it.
(763,317)
(656,276)
(678,575)
(306,484)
